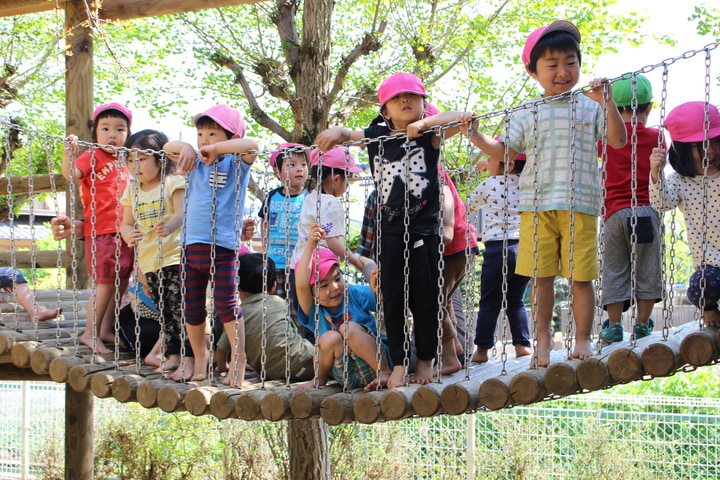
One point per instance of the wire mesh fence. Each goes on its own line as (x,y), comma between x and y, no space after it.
(594,436)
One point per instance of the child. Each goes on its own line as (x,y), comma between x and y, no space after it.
(562,154)
(280,333)
(501,227)
(332,181)
(318,276)
(209,240)
(621,208)
(152,220)
(24,295)
(103,178)
(695,156)
(402,98)
(280,215)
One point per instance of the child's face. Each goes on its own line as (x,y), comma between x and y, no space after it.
(403,109)
(713,155)
(294,172)
(331,289)
(210,136)
(557,72)
(145,168)
(111,131)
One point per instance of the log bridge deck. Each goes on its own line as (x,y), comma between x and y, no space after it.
(49,352)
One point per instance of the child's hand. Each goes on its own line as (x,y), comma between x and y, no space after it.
(465,120)
(374,281)
(186,159)
(316,234)
(133,236)
(481,165)
(657,163)
(208,154)
(61,227)
(416,128)
(161,228)
(598,92)
(248,230)
(72,145)
(331,137)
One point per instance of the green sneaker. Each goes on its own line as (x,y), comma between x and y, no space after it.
(611,333)
(641,330)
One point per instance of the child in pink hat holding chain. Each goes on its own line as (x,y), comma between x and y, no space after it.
(403,101)
(695,157)
(210,236)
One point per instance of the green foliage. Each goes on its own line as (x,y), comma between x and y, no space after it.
(702,383)
(708,20)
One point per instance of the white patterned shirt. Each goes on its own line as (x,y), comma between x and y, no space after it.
(495,199)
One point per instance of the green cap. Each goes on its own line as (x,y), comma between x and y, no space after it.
(623,90)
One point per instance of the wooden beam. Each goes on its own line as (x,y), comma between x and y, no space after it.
(9,372)
(40,183)
(42,259)
(120,9)
(79,434)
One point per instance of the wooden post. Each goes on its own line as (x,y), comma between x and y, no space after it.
(309,449)
(79,81)
(79,435)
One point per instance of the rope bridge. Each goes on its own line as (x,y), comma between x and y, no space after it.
(52,349)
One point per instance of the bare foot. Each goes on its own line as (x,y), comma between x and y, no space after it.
(522,351)
(458,346)
(424,372)
(152,359)
(96,345)
(184,372)
(44,314)
(309,384)
(544,345)
(379,382)
(397,377)
(450,362)
(235,376)
(712,318)
(171,362)
(480,355)
(582,350)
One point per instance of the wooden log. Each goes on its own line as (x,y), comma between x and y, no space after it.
(367,407)
(337,409)
(561,377)
(248,404)
(701,347)
(661,359)
(42,358)
(22,352)
(306,403)
(197,400)
(593,374)
(10,339)
(80,375)
(79,434)
(101,382)
(125,387)
(426,399)
(44,182)
(147,392)
(222,403)
(8,321)
(46,295)
(26,259)
(61,366)
(171,398)
(397,403)
(625,364)
(275,406)
(493,394)
(9,372)
(529,386)
(461,397)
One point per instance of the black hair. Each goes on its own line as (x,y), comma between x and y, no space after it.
(280,160)
(518,166)
(559,41)
(680,156)
(642,108)
(250,273)
(108,113)
(207,122)
(152,140)
(316,178)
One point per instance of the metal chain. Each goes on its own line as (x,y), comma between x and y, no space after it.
(119,167)
(59,258)
(571,243)
(668,294)
(705,180)
(633,209)
(11,222)
(406,265)
(504,269)
(441,258)
(238,222)
(536,238)
(377,246)
(601,234)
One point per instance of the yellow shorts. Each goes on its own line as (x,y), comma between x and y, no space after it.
(555,254)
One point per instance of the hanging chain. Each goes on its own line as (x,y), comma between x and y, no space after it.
(601,234)
(571,242)
(536,238)
(667,273)
(441,258)
(119,168)
(633,210)
(406,265)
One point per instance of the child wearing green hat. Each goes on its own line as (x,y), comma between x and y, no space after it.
(628,211)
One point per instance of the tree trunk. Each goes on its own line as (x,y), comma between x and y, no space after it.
(309,449)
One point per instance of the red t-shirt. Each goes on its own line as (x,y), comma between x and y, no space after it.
(618,183)
(109,176)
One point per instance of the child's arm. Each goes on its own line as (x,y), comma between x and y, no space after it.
(209,153)
(305,268)
(183,153)
(71,172)
(62,227)
(657,163)
(129,233)
(616,132)
(334,136)
(489,145)
(416,128)
(166,227)
(340,250)
(448,215)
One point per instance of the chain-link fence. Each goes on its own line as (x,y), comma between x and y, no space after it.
(594,436)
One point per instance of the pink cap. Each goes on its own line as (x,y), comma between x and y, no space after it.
(279,150)
(519,156)
(113,106)
(686,122)
(534,37)
(336,158)
(324,262)
(398,83)
(227,117)
(431,109)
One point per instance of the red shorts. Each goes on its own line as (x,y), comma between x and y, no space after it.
(105,255)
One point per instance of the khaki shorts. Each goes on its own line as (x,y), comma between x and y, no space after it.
(555,254)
